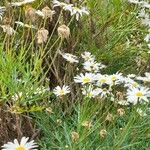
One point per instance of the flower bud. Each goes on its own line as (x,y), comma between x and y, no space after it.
(63,31)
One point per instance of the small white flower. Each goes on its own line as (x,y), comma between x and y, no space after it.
(84,79)
(2,10)
(136,95)
(146,78)
(90,91)
(56,3)
(41,90)
(141,112)
(117,78)
(58,91)
(87,56)
(70,58)
(78,12)
(21,3)
(25,25)
(134,1)
(123,102)
(23,145)
(130,83)
(147,37)
(17,96)
(103,79)
(104,92)
(93,66)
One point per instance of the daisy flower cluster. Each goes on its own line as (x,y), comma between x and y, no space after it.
(74,11)
(116,87)
(144,17)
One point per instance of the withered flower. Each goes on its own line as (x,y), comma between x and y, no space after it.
(120,111)
(74,136)
(42,36)
(47,12)
(8,29)
(30,14)
(63,31)
(103,133)
(109,117)
(87,124)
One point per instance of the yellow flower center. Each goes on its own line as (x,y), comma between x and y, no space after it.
(20,148)
(103,80)
(62,92)
(139,94)
(114,78)
(86,80)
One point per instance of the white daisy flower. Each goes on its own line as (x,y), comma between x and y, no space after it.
(25,25)
(90,91)
(134,1)
(117,78)
(104,93)
(70,58)
(21,3)
(146,78)
(141,112)
(23,145)
(78,12)
(2,10)
(41,90)
(58,91)
(84,79)
(136,95)
(87,56)
(93,66)
(103,79)
(56,3)
(147,37)
(17,96)
(130,83)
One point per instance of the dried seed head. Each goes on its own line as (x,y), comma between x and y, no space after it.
(120,95)
(63,31)
(87,124)
(42,36)
(49,110)
(103,133)
(120,111)
(74,136)
(47,12)
(109,117)
(30,14)
(8,29)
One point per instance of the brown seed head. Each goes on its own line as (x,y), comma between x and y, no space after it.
(63,31)
(120,111)
(74,136)
(42,36)
(103,133)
